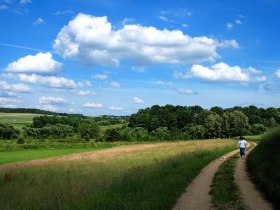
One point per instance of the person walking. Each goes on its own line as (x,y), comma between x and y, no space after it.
(242,143)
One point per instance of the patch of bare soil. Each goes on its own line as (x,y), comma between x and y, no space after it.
(252,198)
(98,155)
(197,195)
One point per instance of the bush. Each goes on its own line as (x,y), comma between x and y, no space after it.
(20,140)
(264,164)
(7,131)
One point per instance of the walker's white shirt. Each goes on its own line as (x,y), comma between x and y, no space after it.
(242,143)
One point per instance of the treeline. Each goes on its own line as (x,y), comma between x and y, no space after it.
(28,110)
(193,122)
(152,124)
(63,128)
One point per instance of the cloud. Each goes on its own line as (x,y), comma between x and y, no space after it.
(87,83)
(85,93)
(238,21)
(41,63)
(49,81)
(65,12)
(229,26)
(221,72)
(186,92)
(25,1)
(52,100)
(14,87)
(115,85)
(7,100)
(254,71)
(162,83)
(39,21)
(48,107)
(137,100)
(100,76)
(92,41)
(2,7)
(277,73)
(260,79)
(93,105)
(116,108)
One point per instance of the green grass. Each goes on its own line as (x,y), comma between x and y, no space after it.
(149,179)
(103,128)
(34,154)
(264,163)
(18,120)
(224,191)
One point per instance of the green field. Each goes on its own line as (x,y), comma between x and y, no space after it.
(34,154)
(18,120)
(152,178)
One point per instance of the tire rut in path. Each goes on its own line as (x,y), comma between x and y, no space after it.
(251,197)
(197,195)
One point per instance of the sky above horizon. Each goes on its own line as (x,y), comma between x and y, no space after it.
(98,57)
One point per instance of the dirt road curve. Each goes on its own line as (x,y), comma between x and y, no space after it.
(197,195)
(252,198)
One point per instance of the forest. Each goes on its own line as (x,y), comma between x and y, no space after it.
(156,123)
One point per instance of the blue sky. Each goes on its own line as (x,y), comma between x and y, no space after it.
(100,57)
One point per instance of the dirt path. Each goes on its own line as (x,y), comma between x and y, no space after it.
(252,198)
(98,155)
(197,195)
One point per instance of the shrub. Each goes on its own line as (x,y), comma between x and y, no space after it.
(20,140)
(7,131)
(264,164)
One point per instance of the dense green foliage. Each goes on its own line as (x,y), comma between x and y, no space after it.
(224,191)
(26,110)
(156,123)
(194,122)
(7,131)
(264,164)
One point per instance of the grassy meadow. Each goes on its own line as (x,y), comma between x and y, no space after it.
(18,120)
(39,153)
(146,179)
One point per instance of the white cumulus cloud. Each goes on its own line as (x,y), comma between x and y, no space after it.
(115,85)
(14,87)
(218,72)
(116,108)
(85,93)
(52,100)
(277,73)
(49,81)
(41,63)
(92,40)
(222,72)
(93,105)
(39,21)
(138,100)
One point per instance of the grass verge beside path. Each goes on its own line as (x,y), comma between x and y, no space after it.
(264,163)
(224,191)
(148,179)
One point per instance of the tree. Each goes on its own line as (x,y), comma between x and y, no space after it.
(197,132)
(88,130)
(7,131)
(213,126)
(235,123)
